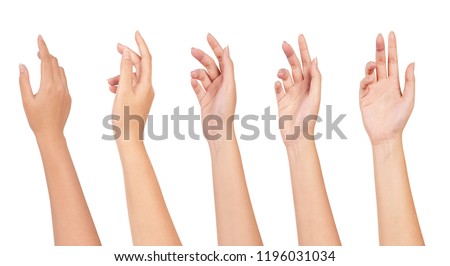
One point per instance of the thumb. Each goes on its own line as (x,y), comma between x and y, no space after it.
(316,78)
(126,72)
(24,81)
(228,66)
(410,84)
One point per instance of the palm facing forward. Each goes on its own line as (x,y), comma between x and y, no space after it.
(385,109)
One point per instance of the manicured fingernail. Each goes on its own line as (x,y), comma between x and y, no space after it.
(21,68)
(126,54)
(280,73)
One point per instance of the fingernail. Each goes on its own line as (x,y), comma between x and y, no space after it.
(40,37)
(414,66)
(280,73)
(228,51)
(193,73)
(126,54)
(317,61)
(21,68)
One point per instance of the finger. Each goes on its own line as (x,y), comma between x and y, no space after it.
(115,80)
(216,47)
(202,75)
(370,67)
(392,55)
(113,89)
(304,52)
(228,65)
(46,62)
(24,82)
(293,61)
(285,76)
(56,72)
(366,82)
(126,72)
(207,62)
(279,92)
(410,84)
(380,58)
(316,78)
(199,92)
(146,60)
(62,74)
(135,58)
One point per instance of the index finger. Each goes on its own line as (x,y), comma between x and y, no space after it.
(46,61)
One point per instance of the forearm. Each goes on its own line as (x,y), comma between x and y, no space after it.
(236,223)
(72,221)
(397,219)
(315,222)
(149,217)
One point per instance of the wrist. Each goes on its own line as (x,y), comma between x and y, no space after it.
(45,137)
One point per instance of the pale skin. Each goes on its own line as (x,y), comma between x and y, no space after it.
(150,221)
(385,111)
(298,96)
(47,112)
(216,92)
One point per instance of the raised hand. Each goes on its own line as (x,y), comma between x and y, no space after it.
(217,92)
(298,95)
(236,223)
(150,221)
(47,113)
(133,90)
(47,110)
(385,108)
(298,105)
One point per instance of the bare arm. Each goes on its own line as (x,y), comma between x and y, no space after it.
(298,97)
(385,110)
(397,219)
(236,223)
(47,113)
(149,217)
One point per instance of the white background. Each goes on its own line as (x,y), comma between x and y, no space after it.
(341,34)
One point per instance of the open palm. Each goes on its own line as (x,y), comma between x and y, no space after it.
(385,109)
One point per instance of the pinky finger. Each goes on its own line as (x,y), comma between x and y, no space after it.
(279,92)
(199,91)
(113,88)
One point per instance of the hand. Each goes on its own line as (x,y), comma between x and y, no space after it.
(217,92)
(385,109)
(47,110)
(299,96)
(133,90)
